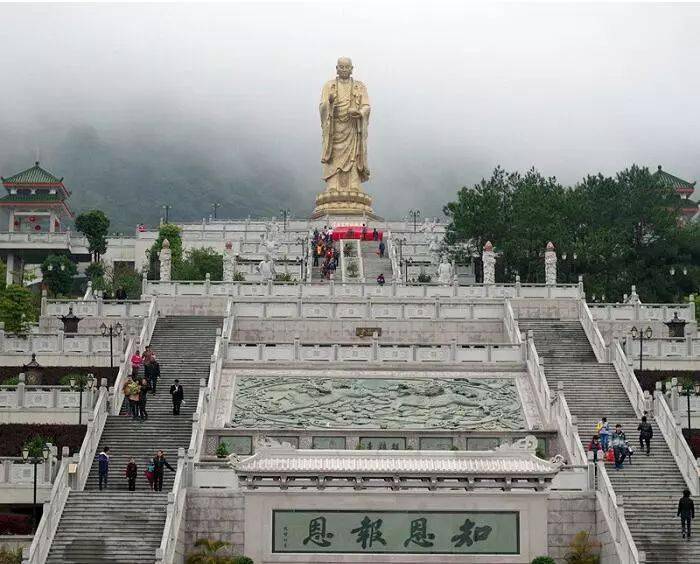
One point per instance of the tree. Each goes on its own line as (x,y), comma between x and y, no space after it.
(171,232)
(94,225)
(623,229)
(200,262)
(17,310)
(58,272)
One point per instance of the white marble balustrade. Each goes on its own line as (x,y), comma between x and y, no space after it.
(22,396)
(641,312)
(374,352)
(687,347)
(332,289)
(53,343)
(96,308)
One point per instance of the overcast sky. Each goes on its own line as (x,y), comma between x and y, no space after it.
(455,90)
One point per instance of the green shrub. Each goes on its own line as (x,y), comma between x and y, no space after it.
(353,269)
(222,450)
(13,381)
(284,277)
(238,277)
(583,549)
(11,555)
(543,560)
(242,560)
(424,278)
(36,445)
(348,249)
(78,377)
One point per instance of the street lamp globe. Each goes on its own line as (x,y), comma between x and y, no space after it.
(25,454)
(648,333)
(103,328)
(634,332)
(45,452)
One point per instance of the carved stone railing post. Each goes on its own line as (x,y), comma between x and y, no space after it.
(488,258)
(550,265)
(165,257)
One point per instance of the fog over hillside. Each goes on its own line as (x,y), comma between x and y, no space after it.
(143,105)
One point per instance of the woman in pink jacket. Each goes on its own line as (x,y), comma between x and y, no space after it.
(136,362)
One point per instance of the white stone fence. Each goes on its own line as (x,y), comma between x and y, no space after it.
(95,308)
(369,308)
(374,352)
(687,347)
(58,342)
(641,312)
(332,289)
(15,471)
(22,396)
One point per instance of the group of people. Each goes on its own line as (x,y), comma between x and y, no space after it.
(154,470)
(606,440)
(324,249)
(137,386)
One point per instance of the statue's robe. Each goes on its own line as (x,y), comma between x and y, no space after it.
(344,153)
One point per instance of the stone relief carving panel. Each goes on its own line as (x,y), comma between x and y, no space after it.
(374,403)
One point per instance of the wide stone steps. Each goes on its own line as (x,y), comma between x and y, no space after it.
(107,526)
(374,265)
(651,485)
(116,525)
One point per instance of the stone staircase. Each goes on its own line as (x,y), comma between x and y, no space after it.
(127,526)
(651,485)
(374,265)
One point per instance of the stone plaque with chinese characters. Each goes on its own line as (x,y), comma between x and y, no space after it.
(368,331)
(407,532)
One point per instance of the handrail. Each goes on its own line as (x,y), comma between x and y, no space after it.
(538,381)
(592,332)
(309,259)
(41,544)
(38,551)
(613,513)
(682,454)
(88,448)
(149,323)
(343,264)
(360,261)
(510,324)
(568,430)
(627,377)
(165,553)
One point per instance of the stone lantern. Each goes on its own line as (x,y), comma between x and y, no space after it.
(33,372)
(676,327)
(70,321)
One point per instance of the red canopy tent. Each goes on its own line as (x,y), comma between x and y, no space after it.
(354,232)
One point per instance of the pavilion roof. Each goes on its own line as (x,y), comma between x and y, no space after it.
(678,184)
(32,176)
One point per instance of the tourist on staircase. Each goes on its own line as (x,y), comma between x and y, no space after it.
(136,362)
(619,445)
(178,395)
(382,248)
(131,473)
(380,280)
(646,432)
(134,393)
(603,429)
(594,446)
(103,471)
(686,511)
(159,464)
(375,234)
(143,396)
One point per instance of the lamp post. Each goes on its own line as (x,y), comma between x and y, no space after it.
(642,334)
(407,262)
(35,460)
(572,264)
(166,209)
(79,384)
(111,330)
(215,206)
(285,214)
(687,391)
(415,214)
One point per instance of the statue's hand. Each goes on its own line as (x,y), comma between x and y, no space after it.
(355,114)
(331,97)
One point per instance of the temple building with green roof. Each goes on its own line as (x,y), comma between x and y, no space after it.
(684,189)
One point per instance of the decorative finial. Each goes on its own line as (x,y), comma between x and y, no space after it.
(659,167)
(550,246)
(229,245)
(36,163)
(166,244)
(488,246)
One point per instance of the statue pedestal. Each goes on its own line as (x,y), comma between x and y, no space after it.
(345,203)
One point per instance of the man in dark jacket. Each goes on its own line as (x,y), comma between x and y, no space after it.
(178,394)
(131,473)
(103,466)
(645,434)
(686,511)
(159,464)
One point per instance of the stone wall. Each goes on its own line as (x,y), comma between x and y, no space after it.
(410,331)
(214,514)
(569,513)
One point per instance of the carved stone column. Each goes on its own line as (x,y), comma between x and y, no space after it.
(550,265)
(229,262)
(165,257)
(488,259)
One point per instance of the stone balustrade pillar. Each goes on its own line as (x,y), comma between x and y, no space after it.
(165,257)
(21,390)
(488,258)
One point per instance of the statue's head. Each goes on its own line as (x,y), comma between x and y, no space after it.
(344,67)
